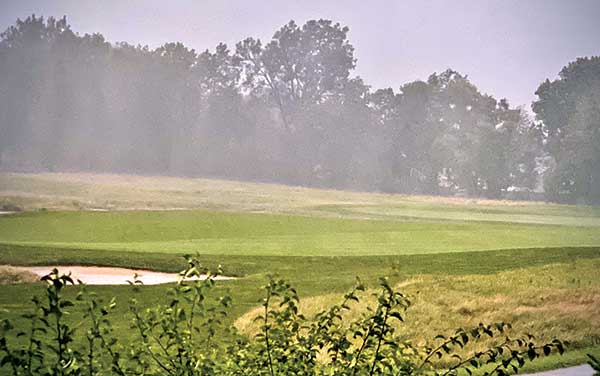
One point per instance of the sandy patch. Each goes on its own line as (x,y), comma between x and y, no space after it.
(96,275)
(10,275)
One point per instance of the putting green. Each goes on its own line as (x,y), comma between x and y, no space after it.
(211,232)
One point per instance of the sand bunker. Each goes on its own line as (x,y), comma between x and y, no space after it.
(96,275)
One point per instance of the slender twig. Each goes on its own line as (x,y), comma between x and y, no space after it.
(362,347)
(266,329)
(432,352)
(467,360)
(31,343)
(144,336)
(381,334)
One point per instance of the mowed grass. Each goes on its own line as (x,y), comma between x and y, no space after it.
(211,232)
(448,290)
(463,260)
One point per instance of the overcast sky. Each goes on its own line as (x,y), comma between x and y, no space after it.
(505,47)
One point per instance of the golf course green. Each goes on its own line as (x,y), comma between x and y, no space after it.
(465,261)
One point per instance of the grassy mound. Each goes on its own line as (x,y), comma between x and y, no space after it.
(10,275)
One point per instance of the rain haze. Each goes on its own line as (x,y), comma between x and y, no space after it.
(441,98)
(506,47)
(365,188)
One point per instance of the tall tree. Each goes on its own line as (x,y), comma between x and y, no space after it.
(568,109)
(288,111)
(299,66)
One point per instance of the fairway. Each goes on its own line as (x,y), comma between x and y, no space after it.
(276,204)
(210,232)
(463,260)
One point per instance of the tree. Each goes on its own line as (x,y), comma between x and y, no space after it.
(299,66)
(569,111)
(289,111)
(444,136)
(302,72)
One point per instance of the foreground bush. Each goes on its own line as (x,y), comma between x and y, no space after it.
(188,335)
(595,364)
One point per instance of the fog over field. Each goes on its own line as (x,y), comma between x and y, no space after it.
(282,188)
(290,106)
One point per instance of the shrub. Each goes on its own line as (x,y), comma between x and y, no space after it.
(189,335)
(595,364)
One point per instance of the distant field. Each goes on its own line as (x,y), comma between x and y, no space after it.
(266,219)
(464,260)
(129,192)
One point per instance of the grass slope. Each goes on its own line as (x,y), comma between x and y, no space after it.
(451,289)
(566,295)
(210,232)
(128,192)
(456,255)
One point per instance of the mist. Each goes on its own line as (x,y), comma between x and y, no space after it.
(290,110)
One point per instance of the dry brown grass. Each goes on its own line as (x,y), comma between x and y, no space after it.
(86,191)
(556,301)
(110,191)
(10,275)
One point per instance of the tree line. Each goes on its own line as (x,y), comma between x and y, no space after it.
(289,111)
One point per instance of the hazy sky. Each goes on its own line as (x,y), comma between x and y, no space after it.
(506,47)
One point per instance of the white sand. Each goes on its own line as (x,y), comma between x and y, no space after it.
(95,275)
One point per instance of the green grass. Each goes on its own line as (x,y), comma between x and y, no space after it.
(220,233)
(452,274)
(550,215)
(312,269)
(318,239)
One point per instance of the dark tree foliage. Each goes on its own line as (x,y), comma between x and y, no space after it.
(444,136)
(569,111)
(595,364)
(289,110)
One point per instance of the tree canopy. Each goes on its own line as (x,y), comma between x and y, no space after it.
(569,111)
(288,110)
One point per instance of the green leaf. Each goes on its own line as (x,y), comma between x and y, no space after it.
(547,349)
